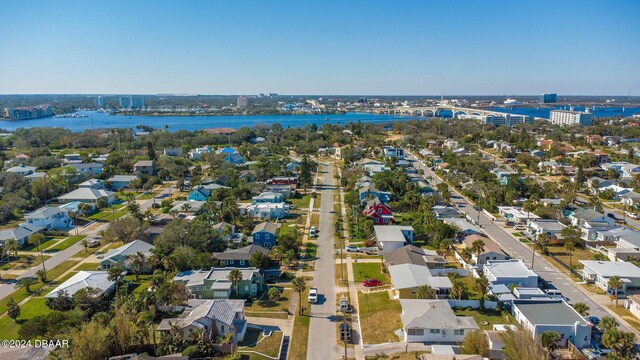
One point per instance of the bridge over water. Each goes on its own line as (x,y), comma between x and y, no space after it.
(434,111)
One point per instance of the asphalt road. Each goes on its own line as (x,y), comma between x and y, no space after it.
(322,329)
(518,250)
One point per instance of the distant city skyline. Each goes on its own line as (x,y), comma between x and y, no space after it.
(341,48)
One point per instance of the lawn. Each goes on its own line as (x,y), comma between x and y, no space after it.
(379,317)
(45,245)
(470,286)
(266,307)
(300,338)
(139,286)
(287,228)
(106,215)
(88,266)
(626,315)
(339,273)
(147,196)
(254,340)
(67,243)
(300,202)
(364,271)
(32,308)
(315,221)
(23,262)
(487,318)
(559,254)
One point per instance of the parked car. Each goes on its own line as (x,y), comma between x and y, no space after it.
(594,320)
(371,283)
(351,248)
(313,295)
(632,215)
(344,306)
(312,231)
(477,208)
(509,223)
(520,227)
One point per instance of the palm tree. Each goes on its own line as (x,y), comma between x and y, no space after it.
(136,262)
(581,308)
(235,276)
(173,213)
(549,340)
(84,208)
(425,292)
(444,246)
(115,273)
(85,243)
(299,285)
(12,245)
(458,288)
(615,283)
(25,282)
(569,246)
(478,248)
(481,284)
(607,323)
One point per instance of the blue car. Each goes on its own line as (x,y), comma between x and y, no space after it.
(594,320)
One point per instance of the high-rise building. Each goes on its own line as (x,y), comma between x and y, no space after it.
(100,102)
(548,98)
(507,119)
(570,117)
(243,102)
(131,102)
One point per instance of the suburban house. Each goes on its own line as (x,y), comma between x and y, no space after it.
(392,237)
(22,170)
(390,151)
(234,158)
(172,152)
(202,192)
(538,317)
(599,273)
(433,321)
(239,257)
(20,234)
(551,228)
(632,303)
(410,254)
(622,236)
(516,214)
(373,169)
(625,169)
(264,234)
(491,250)
(550,202)
(196,154)
(87,169)
(509,272)
(589,221)
(630,198)
(406,278)
(92,184)
(145,167)
(623,254)
(503,175)
(265,210)
(50,218)
(214,283)
(89,196)
(226,231)
(187,208)
(119,255)
(35,175)
(247,176)
(285,190)
(119,182)
(292,181)
(218,318)
(465,227)
(378,211)
(368,192)
(267,198)
(445,212)
(85,279)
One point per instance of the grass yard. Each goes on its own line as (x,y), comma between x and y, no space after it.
(300,201)
(23,262)
(626,315)
(147,196)
(379,317)
(268,307)
(339,273)
(487,318)
(32,308)
(559,254)
(315,221)
(67,243)
(88,266)
(254,340)
(45,245)
(470,286)
(106,215)
(300,338)
(364,271)
(139,286)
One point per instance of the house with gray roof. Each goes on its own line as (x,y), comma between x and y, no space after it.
(622,236)
(551,228)
(508,272)
(214,283)
(445,212)
(239,257)
(89,196)
(20,234)
(50,217)
(22,170)
(406,278)
(539,316)
(87,169)
(630,198)
(85,279)
(410,254)
(599,273)
(119,182)
(589,221)
(36,175)
(392,237)
(119,255)
(264,234)
(217,317)
(464,226)
(433,321)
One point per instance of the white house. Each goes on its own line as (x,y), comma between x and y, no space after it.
(89,195)
(508,272)
(406,278)
(265,210)
(544,226)
(599,273)
(632,303)
(196,153)
(85,279)
(433,321)
(538,317)
(118,182)
(516,214)
(22,170)
(50,218)
(119,255)
(87,169)
(392,237)
(491,251)
(589,221)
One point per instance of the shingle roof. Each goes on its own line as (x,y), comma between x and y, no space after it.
(410,255)
(84,279)
(243,253)
(265,226)
(86,194)
(433,314)
(44,212)
(20,232)
(406,276)
(129,249)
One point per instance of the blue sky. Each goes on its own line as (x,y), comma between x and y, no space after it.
(324,47)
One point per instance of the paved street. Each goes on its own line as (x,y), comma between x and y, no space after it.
(518,250)
(322,330)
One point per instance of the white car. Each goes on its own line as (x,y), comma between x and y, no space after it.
(312,231)
(313,295)
(632,215)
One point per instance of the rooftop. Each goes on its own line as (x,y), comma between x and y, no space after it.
(550,313)
(607,269)
(508,268)
(391,232)
(84,279)
(433,314)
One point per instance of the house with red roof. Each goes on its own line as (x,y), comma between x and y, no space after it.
(378,211)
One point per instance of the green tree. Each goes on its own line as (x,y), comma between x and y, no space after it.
(137,263)
(621,342)
(458,288)
(13,309)
(615,283)
(549,340)
(478,248)
(37,240)
(482,286)
(25,282)
(235,276)
(259,260)
(62,302)
(115,274)
(475,342)
(273,294)
(521,345)
(425,292)
(581,308)
(299,285)
(569,246)
(608,322)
